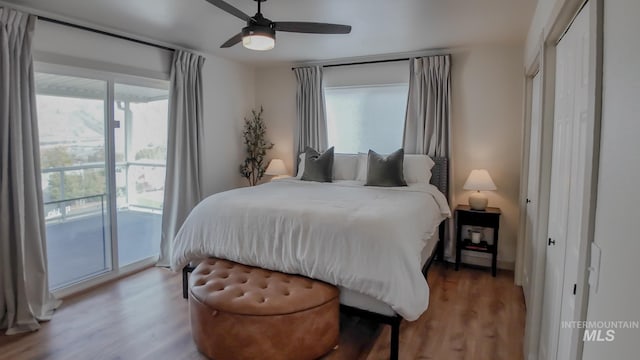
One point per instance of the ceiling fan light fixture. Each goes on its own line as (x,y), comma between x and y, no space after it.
(260,32)
(258,38)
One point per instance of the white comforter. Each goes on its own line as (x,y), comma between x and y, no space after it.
(367,239)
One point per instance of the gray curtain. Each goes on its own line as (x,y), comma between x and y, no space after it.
(312,122)
(428,117)
(182,190)
(427,124)
(24,290)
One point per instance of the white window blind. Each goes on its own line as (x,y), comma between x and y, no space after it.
(360,118)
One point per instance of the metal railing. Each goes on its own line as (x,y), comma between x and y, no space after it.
(63,189)
(61,170)
(81,207)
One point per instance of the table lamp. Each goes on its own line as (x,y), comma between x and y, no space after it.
(479,180)
(276,168)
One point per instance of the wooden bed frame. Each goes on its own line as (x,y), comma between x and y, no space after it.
(440,179)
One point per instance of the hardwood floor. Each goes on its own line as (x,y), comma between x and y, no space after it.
(471,315)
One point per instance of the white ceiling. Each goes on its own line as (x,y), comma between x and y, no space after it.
(379,26)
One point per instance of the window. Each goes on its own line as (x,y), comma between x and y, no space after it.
(103,185)
(366,117)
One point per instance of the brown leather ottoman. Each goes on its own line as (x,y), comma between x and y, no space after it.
(240,312)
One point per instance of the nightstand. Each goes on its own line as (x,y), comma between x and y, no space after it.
(489,218)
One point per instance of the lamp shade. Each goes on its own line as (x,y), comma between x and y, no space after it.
(479,180)
(259,38)
(276,167)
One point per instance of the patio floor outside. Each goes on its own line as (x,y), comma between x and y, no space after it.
(76,247)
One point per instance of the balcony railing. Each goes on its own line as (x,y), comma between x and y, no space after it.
(79,233)
(59,210)
(138,184)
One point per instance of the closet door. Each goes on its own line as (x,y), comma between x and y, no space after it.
(558,200)
(581,147)
(533,244)
(568,191)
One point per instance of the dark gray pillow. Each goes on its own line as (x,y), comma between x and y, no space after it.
(318,167)
(385,171)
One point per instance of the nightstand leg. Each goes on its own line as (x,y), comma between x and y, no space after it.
(441,233)
(458,245)
(494,267)
(494,257)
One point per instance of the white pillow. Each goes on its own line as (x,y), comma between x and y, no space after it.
(344,166)
(416,168)
(300,167)
(362,167)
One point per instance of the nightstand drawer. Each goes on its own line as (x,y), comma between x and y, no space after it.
(479,218)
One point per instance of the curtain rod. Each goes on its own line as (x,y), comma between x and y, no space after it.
(102,32)
(359,63)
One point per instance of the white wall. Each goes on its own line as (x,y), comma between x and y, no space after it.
(547,11)
(486,127)
(487,85)
(275,89)
(64,45)
(229,94)
(616,230)
(228,89)
(538,27)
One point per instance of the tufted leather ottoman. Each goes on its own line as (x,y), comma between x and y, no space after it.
(240,312)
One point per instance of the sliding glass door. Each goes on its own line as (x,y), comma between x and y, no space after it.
(141,152)
(103,150)
(72,123)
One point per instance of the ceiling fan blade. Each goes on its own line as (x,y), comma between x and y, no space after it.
(234,40)
(230,9)
(311,27)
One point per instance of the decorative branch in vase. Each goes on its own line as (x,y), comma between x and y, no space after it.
(256,146)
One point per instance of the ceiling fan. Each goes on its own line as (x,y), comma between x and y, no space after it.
(260,32)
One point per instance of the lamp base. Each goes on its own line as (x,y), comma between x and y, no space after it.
(478,201)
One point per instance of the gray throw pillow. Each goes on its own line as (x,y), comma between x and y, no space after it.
(386,171)
(318,167)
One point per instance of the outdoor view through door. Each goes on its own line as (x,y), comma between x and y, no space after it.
(141,152)
(103,185)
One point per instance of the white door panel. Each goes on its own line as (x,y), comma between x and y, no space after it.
(578,191)
(567,192)
(559,204)
(532,243)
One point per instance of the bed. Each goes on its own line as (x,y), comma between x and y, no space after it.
(371,242)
